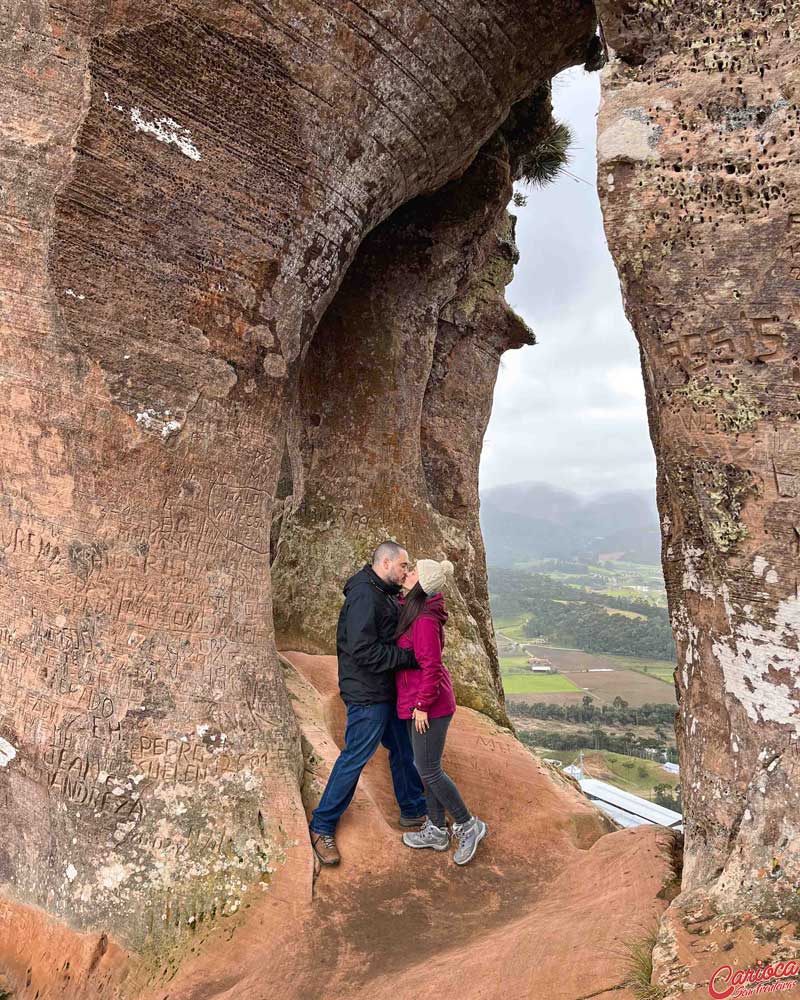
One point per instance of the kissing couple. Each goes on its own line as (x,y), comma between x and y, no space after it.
(398,693)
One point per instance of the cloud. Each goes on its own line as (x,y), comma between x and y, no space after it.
(569,411)
(627,381)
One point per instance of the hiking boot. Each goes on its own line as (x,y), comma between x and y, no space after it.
(428,836)
(468,835)
(325,848)
(412,820)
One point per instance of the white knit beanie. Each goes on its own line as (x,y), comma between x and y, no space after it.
(433,575)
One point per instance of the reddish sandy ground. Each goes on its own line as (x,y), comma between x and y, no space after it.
(541,912)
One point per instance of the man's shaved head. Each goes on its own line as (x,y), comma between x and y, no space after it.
(386,550)
(390,563)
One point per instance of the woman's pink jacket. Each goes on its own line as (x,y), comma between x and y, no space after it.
(430,688)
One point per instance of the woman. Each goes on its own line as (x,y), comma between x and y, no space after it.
(425,697)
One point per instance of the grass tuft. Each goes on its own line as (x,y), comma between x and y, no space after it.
(639,966)
(544,162)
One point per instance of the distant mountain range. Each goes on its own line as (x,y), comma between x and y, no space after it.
(525,521)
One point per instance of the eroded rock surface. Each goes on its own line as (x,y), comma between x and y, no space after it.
(698,144)
(184,353)
(182,188)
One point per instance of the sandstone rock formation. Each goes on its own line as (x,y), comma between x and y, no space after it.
(698,143)
(184,186)
(230,232)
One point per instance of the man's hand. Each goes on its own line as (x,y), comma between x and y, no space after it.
(409,661)
(420,720)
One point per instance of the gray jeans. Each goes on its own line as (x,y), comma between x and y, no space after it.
(440,791)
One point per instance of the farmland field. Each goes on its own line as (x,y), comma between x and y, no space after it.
(625,614)
(514,631)
(539,684)
(662,670)
(513,663)
(502,624)
(618,676)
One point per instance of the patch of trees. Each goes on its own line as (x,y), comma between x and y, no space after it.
(562,566)
(668,797)
(565,615)
(618,713)
(597,739)
(588,627)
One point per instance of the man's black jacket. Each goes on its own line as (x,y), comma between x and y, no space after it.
(365,642)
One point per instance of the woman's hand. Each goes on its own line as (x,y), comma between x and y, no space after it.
(420,720)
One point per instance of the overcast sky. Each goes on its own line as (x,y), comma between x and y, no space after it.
(569,411)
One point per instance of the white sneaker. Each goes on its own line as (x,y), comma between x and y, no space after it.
(468,836)
(428,836)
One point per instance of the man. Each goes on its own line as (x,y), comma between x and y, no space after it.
(368,657)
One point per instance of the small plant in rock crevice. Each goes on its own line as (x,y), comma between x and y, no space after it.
(544,162)
(538,145)
(638,954)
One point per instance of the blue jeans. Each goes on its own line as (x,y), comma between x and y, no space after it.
(367,726)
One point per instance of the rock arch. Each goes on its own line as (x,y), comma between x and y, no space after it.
(198,201)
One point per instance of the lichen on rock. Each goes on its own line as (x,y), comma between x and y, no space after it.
(703,227)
